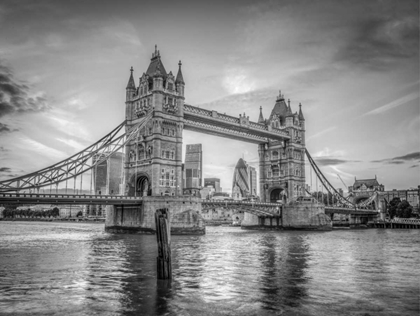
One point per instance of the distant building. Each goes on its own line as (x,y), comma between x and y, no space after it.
(193,169)
(410,195)
(240,182)
(207,192)
(213,182)
(244,182)
(220,196)
(363,189)
(366,185)
(252,174)
(107,175)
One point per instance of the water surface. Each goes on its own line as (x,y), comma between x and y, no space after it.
(49,268)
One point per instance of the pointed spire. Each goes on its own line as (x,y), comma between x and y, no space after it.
(131,84)
(289,110)
(179,77)
(301,113)
(280,97)
(261,118)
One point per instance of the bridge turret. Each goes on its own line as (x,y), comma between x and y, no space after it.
(180,84)
(282,164)
(261,118)
(131,87)
(156,166)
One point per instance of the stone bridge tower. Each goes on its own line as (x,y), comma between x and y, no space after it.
(282,163)
(153,161)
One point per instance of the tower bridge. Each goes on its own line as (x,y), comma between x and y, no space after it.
(150,139)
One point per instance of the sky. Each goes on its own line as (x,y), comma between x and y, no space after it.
(353,65)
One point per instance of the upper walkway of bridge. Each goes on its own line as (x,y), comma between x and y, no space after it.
(215,123)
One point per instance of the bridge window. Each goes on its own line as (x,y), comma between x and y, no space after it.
(140,154)
(275,172)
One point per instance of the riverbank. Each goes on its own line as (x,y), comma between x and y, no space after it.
(69,219)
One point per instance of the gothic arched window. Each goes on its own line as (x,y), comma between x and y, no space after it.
(140,154)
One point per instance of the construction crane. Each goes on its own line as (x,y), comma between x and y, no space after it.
(345,186)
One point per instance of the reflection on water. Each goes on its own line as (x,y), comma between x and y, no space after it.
(78,269)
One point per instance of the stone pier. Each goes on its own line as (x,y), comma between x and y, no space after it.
(304,214)
(184,216)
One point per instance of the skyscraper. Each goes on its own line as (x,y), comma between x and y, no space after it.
(213,182)
(244,181)
(240,183)
(193,169)
(107,174)
(252,175)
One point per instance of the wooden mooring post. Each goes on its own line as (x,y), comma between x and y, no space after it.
(163,235)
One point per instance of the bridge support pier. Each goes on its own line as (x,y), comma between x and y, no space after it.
(305,215)
(252,221)
(184,216)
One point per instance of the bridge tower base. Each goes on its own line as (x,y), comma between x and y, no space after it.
(306,214)
(184,216)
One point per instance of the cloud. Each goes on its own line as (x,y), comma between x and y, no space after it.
(250,102)
(401,101)
(400,159)
(412,156)
(329,129)
(329,161)
(16,97)
(380,41)
(6,172)
(414,166)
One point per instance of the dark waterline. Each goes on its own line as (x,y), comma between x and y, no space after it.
(78,269)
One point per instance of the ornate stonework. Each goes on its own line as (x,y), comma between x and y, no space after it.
(282,164)
(157,150)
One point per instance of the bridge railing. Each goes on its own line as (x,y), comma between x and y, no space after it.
(405,220)
(233,202)
(231,119)
(67,196)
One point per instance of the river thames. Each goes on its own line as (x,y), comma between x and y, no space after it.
(62,268)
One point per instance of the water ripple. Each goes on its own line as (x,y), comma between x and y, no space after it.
(78,269)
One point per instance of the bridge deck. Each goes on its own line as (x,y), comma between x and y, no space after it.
(35,198)
(347,210)
(257,208)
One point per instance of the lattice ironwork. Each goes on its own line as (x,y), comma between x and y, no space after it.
(327,185)
(256,208)
(78,163)
(369,201)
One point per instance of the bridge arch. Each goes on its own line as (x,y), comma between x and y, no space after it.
(360,199)
(277,193)
(139,185)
